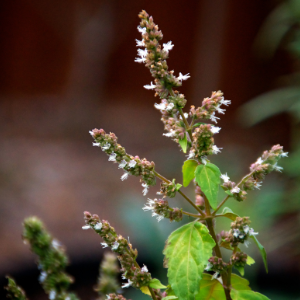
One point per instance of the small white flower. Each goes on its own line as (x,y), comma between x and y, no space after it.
(247,243)
(171,133)
(170,106)
(225,177)
(42,277)
(215,276)
(204,160)
(123,277)
(168,46)
(221,110)
(106,146)
(91,133)
(132,163)
(146,188)
(241,236)
(142,30)
(235,190)
(122,164)
(150,86)
(191,155)
(112,157)
(214,118)
(215,129)
(140,43)
(68,298)
(284,154)
(142,52)
(257,185)
(85,227)
(183,77)
(225,102)
(252,233)
(236,233)
(144,269)
(160,106)
(104,245)
(246,229)
(115,246)
(158,218)
(52,295)
(56,244)
(208,266)
(149,205)
(124,176)
(259,161)
(108,297)
(126,285)
(140,59)
(216,149)
(96,144)
(98,226)
(277,168)
(186,115)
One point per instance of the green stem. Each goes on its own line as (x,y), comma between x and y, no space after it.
(191,215)
(152,293)
(181,193)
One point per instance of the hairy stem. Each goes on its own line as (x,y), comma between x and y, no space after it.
(181,193)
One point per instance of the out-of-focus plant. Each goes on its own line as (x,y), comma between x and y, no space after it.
(193,252)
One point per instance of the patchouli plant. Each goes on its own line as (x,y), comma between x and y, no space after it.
(193,252)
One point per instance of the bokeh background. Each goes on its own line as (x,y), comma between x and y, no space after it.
(68,67)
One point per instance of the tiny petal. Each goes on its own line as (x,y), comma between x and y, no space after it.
(170,106)
(186,115)
(259,161)
(215,129)
(183,77)
(160,106)
(122,164)
(106,146)
(225,102)
(236,233)
(96,144)
(91,133)
(115,245)
(257,185)
(140,59)
(144,269)
(204,160)
(214,118)
(98,226)
(216,149)
(168,46)
(150,86)
(159,218)
(171,133)
(42,277)
(191,155)
(142,53)
(284,154)
(252,233)
(124,176)
(104,245)
(208,266)
(140,43)
(215,276)
(85,227)
(52,295)
(277,168)
(246,229)
(247,243)
(128,284)
(112,157)
(142,30)
(221,110)
(146,188)
(225,177)
(56,244)
(132,164)
(235,190)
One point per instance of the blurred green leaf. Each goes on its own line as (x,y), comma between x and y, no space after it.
(183,143)
(228,213)
(247,295)
(262,251)
(156,284)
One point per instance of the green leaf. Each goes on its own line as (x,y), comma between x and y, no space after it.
(198,124)
(183,143)
(210,289)
(250,261)
(213,289)
(241,270)
(208,178)
(156,284)
(239,283)
(169,297)
(188,171)
(145,290)
(247,295)
(186,253)
(229,193)
(178,186)
(261,250)
(228,213)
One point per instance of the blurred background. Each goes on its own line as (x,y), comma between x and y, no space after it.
(68,67)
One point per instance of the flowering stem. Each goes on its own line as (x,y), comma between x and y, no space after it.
(181,193)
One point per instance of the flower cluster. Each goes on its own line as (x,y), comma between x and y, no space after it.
(217,265)
(52,260)
(239,259)
(136,276)
(199,201)
(14,292)
(107,281)
(168,189)
(258,170)
(115,297)
(132,165)
(161,209)
(240,231)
